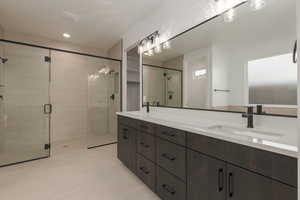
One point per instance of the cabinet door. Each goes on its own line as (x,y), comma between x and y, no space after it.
(127,146)
(243,184)
(206,177)
(122,143)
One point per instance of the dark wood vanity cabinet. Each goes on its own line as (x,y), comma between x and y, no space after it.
(206,177)
(243,184)
(187,166)
(212,179)
(127,146)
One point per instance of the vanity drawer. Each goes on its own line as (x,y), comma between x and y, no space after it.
(171,157)
(173,135)
(169,187)
(207,145)
(146,145)
(280,167)
(146,171)
(146,127)
(128,121)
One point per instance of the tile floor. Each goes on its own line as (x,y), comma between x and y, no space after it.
(73,172)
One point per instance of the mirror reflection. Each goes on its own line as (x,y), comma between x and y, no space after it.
(229,65)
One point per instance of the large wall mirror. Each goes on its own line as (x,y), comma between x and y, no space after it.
(226,66)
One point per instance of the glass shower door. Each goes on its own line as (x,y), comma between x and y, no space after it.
(24,106)
(103,103)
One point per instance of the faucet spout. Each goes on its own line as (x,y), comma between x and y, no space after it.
(249,116)
(148,107)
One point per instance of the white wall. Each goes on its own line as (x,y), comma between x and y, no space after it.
(220,76)
(153,85)
(196,91)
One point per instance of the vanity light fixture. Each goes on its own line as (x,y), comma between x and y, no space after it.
(157,49)
(229,11)
(167,45)
(230,15)
(148,42)
(66,35)
(150,52)
(257,4)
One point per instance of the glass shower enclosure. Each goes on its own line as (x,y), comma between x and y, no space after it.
(34,79)
(24,103)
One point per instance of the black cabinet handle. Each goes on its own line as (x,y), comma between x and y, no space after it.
(168,189)
(144,145)
(169,157)
(221,180)
(295,59)
(230,184)
(125,137)
(168,134)
(125,133)
(47,108)
(144,170)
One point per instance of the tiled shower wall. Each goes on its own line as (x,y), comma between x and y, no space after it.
(80,107)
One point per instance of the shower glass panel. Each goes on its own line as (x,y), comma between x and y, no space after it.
(24,91)
(162,86)
(103,101)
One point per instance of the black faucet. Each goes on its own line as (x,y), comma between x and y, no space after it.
(249,116)
(259,110)
(148,107)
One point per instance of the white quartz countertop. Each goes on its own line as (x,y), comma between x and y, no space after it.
(274,140)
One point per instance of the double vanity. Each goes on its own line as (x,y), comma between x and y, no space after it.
(209,161)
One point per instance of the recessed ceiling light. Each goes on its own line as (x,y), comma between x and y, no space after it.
(66,35)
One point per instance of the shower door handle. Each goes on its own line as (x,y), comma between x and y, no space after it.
(295,59)
(47,109)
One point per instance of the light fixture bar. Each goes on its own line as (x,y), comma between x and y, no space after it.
(149,42)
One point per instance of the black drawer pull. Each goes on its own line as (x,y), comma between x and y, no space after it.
(125,136)
(168,189)
(168,134)
(125,129)
(144,127)
(169,157)
(230,184)
(144,145)
(221,180)
(144,170)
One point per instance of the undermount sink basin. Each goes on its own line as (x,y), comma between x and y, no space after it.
(244,132)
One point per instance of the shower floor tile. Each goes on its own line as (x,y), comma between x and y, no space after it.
(77,174)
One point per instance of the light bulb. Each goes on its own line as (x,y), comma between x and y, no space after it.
(257,4)
(157,40)
(150,52)
(166,45)
(148,45)
(66,35)
(140,49)
(229,15)
(157,48)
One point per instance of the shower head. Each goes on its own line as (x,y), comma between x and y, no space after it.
(3,60)
(111,71)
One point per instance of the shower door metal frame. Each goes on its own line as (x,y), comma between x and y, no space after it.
(71,52)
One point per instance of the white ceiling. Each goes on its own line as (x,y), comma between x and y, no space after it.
(91,23)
